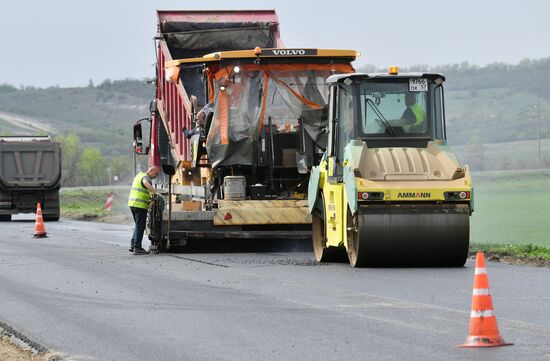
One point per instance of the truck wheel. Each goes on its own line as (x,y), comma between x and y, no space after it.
(51,218)
(5,217)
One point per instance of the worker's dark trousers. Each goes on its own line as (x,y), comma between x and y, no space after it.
(140,217)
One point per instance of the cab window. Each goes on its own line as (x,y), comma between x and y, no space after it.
(345,118)
(439,114)
(392,109)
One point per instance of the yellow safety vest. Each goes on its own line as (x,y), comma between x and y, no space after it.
(139,195)
(419,114)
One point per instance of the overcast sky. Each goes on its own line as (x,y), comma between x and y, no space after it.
(68,42)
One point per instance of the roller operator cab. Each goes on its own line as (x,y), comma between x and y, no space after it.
(388,190)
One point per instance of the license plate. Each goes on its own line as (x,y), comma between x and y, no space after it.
(418,85)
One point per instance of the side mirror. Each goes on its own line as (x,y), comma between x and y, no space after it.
(138,139)
(139,147)
(138,133)
(168,169)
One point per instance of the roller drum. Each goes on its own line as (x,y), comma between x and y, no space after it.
(410,235)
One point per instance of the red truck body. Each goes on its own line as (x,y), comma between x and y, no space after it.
(194,34)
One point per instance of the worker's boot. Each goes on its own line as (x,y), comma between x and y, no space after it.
(139,251)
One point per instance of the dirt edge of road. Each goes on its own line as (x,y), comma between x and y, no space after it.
(15,346)
(114,218)
(512,259)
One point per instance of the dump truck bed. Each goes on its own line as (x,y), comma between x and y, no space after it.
(29,163)
(183,34)
(30,172)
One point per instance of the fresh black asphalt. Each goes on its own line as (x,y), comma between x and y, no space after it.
(80,292)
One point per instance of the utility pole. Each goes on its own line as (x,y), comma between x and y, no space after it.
(134,158)
(538,126)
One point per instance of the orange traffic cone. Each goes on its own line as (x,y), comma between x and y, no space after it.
(39,229)
(483,322)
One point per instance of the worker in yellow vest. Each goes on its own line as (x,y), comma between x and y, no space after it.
(139,201)
(414,116)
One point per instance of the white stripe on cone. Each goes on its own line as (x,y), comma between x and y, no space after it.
(481,271)
(483,313)
(481,291)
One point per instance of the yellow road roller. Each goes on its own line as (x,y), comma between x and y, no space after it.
(389,191)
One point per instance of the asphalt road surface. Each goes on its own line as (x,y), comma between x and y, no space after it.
(80,292)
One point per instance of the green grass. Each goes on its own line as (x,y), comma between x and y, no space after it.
(514,180)
(521,250)
(514,155)
(512,208)
(528,253)
(88,203)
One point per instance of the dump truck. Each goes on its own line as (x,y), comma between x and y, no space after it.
(244,171)
(389,191)
(30,172)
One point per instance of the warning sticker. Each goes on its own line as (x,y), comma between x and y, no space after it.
(418,85)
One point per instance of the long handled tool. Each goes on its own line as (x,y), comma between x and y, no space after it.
(170,171)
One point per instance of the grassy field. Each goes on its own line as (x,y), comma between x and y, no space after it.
(88,204)
(512,207)
(505,156)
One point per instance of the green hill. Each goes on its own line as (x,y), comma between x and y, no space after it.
(101,115)
(495,103)
(489,110)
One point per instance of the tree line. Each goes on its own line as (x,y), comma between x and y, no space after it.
(87,166)
(531,75)
(484,104)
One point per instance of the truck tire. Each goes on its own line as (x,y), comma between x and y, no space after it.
(55,216)
(5,217)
